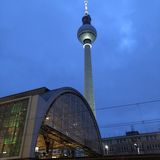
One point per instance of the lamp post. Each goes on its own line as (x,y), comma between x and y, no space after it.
(106,148)
(137,147)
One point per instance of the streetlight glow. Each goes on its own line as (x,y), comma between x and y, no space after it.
(137,147)
(106,147)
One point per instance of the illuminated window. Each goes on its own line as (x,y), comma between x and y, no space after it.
(12,124)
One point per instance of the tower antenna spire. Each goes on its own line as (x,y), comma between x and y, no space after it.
(86,7)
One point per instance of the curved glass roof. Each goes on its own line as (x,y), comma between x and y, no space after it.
(71,115)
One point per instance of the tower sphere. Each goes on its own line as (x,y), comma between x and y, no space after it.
(87,33)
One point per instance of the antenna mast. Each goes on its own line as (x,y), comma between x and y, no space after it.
(86,7)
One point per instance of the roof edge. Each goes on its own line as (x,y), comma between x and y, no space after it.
(24,94)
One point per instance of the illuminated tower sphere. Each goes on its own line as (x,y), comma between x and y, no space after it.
(87,35)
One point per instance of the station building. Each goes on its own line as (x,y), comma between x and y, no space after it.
(45,123)
(132,143)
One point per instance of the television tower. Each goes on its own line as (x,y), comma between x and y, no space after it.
(87,35)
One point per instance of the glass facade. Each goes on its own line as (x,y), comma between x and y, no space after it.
(70,116)
(12,122)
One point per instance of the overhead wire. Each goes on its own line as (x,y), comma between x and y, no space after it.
(127,105)
(130,105)
(143,122)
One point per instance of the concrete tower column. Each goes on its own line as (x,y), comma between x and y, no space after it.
(88,80)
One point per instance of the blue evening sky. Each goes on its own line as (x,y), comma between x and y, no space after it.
(39,47)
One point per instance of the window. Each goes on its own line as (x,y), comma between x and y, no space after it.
(12,124)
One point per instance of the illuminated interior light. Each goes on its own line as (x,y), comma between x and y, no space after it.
(54,157)
(36,149)
(47,118)
(65,154)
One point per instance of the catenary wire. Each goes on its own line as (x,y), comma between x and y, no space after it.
(136,104)
(143,122)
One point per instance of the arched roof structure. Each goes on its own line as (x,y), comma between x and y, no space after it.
(67,112)
(62,115)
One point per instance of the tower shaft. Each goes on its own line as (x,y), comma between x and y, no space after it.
(88,80)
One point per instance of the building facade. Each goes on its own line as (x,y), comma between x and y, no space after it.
(132,143)
(45,123)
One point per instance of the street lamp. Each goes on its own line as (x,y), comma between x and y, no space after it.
(106,148)
(136,145)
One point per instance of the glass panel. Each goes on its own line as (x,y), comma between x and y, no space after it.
(71,116)
(12,122)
